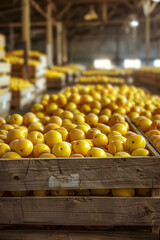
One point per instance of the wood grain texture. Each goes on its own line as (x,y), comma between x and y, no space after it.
(93,211)
(71,235)
(93,173)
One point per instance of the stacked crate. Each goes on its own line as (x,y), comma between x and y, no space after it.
(123,218)
(35,72)
(55,79)
(148,77)
(5,69)
(39,80)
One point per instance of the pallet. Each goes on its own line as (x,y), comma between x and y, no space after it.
(5,104)
(56,83)
(23,99)
(82,173)
(5,67)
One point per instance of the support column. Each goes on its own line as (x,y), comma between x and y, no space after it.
(134,36)
(26,34)
(59,43)
(26,24)
(49,35)
(147,39)
(11,38)
(64,45)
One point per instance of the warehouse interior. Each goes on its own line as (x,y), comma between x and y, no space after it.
(79,119)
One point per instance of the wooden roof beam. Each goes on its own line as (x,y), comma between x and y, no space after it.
(64,10)
(97,1)
(104,11)
(38,8)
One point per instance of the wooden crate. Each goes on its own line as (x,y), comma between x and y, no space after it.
(23,99)
(5,104)
(4,83)
(40,85)
(81,173)
(2,40)
(56,82)
(33,71)
(2,54)
(5,67)
(142,133)
(75,235)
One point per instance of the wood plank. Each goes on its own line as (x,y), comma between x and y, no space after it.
(71,235)
(93,211)
(5,67)
(72,173)
(4,81)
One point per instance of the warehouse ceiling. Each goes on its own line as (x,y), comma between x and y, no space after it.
(112,13)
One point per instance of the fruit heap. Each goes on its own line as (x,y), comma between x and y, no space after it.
(61,69)
(20,61)
(54,74)
(83,120)
(80,122)
(149,123)
(99,79)
(75,68)
(112,72)
(17,84)
(20,53)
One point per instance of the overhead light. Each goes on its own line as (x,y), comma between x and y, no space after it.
(92,15)
(134,23)
(102,63)
(156,63)
(155,0)
(132,63)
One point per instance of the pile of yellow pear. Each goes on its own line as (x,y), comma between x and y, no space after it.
(83,121)
(99,79)
(17,84)
(150,125)
(20,61)
(54,74)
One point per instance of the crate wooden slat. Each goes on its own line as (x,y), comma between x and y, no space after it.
(149,141)
(2,54)
(4,82)
(23,98)
(2,40)
(5,104)
(40,85)
(5,67)
(56,82)
(95,173)
(34,71)
(73,235)
(93,211)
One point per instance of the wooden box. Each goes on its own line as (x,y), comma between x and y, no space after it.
(56,82)
(5,67)
(2,40)
(5,104)
(2,54)
(33,71)
(4,83)
(40,85)
(23,99)
(81,173)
